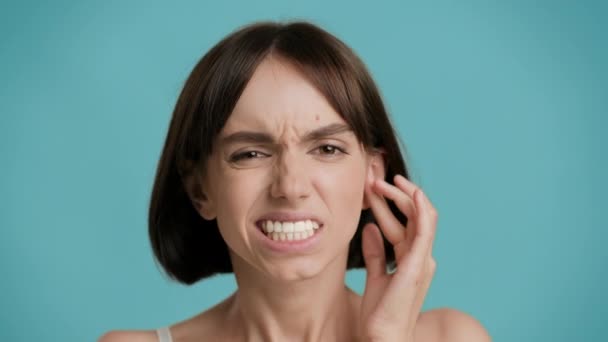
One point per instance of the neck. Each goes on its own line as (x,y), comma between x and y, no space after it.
(313,309)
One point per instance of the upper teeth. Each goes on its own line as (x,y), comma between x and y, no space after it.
(289,227)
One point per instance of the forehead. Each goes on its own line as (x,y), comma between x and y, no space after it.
(279,97)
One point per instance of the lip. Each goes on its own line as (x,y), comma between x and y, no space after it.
(293,246)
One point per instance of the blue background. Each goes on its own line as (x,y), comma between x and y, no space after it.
(502,107)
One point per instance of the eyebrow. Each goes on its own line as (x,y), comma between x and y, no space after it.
(265,138)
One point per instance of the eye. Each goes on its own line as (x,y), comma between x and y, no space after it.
(329,150)
(247,155)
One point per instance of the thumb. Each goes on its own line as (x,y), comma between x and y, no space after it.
(373,251)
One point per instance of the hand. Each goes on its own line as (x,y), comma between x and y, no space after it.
(392,302)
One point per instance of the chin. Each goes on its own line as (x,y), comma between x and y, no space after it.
(295,270)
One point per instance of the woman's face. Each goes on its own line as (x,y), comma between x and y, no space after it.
(285,159)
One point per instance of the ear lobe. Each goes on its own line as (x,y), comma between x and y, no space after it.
(375,169)
(193,185)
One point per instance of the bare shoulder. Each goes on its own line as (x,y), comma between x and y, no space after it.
(129,335)
(205,326)
(451,325)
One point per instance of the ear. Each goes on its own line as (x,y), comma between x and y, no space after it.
(193,182)
(376,168)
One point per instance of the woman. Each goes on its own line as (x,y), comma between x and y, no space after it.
(281,165)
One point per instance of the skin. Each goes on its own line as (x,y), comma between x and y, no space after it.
(302,296)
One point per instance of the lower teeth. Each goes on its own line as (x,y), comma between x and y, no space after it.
(289,236)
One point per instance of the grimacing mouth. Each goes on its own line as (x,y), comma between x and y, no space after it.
(260,223)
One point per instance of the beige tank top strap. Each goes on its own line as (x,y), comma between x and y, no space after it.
(164,334)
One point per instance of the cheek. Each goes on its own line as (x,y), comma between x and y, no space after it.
(342,191)
(236,194)
(344,182)
(238,190)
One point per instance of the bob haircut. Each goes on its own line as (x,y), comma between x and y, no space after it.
(189,247)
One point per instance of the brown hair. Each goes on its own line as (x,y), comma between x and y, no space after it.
(186,245)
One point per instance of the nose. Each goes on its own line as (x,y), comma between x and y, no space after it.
(290,180)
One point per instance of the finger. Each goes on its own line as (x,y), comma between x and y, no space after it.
(434,217)
(376,280)
(411,280)
(405,185)
(415,261)
(402,200)
(408,187)
(373,251)
(392,229)
(430,263)
(405,203)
